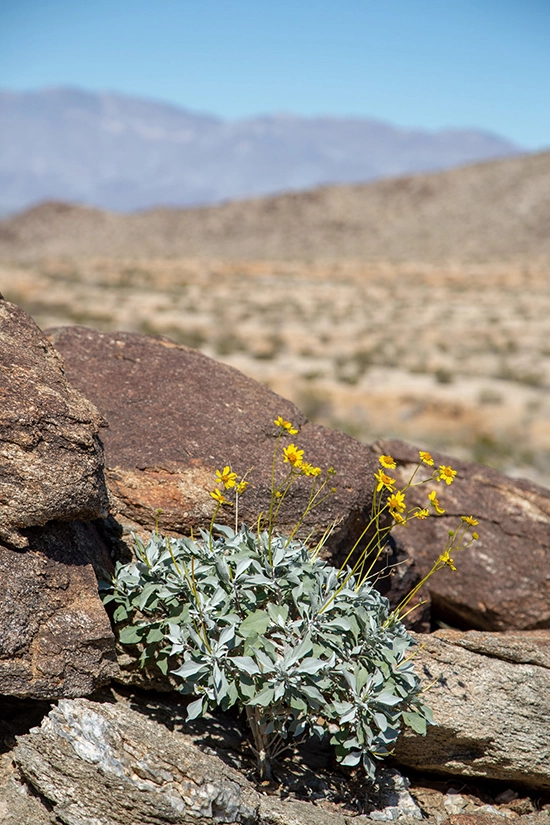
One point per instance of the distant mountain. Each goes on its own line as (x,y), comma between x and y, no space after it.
(496,211)
(124,153)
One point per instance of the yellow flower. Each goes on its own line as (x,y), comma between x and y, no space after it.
(398,518)
(422,514)
(241,486)
(226,477)
(445,558)
(384,481)
(309,470)
(293,455)
(426,457)
(396,502)
(470,520)
(435,503)
(446,474)
(285,425)
(475,536)
(387,461)
(218,496)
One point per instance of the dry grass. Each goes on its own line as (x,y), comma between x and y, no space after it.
(450,357)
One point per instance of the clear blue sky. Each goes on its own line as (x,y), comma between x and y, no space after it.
(418,63)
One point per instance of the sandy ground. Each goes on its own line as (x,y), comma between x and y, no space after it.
(448,357)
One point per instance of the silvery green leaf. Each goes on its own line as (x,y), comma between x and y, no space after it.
(131,634)
(351,759)
(190,668)
(415,721)
(120,614)
(301,650)
(195,709)
(226,531)
(311,665)
(381,721)
(387,698)
(227,635)
(312,693)
(246,664)
(264,697)
(278,612)
(256,622)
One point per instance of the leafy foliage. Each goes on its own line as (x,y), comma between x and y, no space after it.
(259,621)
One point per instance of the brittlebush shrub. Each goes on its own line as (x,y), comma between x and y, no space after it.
(258,620)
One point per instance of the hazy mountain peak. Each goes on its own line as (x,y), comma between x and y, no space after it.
(124,153)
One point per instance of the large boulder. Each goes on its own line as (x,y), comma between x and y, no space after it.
(55,637)
(51,453)
(490,696)
(502,580)
(175,416)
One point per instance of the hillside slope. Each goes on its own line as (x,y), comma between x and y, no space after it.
(492,211)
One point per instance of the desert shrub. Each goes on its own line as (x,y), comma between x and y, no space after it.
(258,620)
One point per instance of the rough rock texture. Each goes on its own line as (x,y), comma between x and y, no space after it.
(503,580)
(109,764)
(490,697)
(51,456)
(55,636)
(176,415)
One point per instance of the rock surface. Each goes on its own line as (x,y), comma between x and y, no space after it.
(110,764)
(51,454)
(175,416)
(490,696)
(503,580)
(55,636)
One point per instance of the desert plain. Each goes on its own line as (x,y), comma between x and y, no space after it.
(446,347)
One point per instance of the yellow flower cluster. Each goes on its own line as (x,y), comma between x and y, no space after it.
(396,503)
(229,481)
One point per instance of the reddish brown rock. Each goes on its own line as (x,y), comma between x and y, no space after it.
(55,637)
(502,580)
(175,416)
(50,453)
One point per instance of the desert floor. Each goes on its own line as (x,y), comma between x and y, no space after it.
(455,358)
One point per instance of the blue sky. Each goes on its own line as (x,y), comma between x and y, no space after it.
(416,63)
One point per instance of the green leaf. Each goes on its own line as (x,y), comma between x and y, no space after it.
(415,721)
(190,668)
(131,634)
(195,709)
(257,622)
(120,614)
(155,635)
(264,697)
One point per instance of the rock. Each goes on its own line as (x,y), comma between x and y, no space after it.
(492,711)
(55,636)
(110,764)
(503,580)
(52,458)
(18,804)
(175,416)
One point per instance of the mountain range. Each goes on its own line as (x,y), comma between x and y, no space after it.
(122,153)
